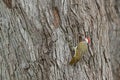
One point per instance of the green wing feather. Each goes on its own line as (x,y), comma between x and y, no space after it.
(79,51)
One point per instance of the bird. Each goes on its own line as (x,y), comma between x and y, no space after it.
(80,50)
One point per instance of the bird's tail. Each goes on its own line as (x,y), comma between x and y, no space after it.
(72,61)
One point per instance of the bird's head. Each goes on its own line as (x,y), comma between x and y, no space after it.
(87,39)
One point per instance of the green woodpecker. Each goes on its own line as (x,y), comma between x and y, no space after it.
(80,49)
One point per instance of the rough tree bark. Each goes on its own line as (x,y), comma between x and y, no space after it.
(114,36)
(36,37)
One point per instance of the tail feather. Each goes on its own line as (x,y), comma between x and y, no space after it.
(73,61)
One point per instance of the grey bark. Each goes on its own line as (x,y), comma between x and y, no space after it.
(36,37)
(114,36)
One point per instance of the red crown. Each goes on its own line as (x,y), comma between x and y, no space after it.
(88,40)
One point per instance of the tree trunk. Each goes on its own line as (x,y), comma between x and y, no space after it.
(36,37)
(114,34)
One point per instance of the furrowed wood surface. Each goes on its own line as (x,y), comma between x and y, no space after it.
(35,39)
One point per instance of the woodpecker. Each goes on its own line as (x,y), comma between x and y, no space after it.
(80,49)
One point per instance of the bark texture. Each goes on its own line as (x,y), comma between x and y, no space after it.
(114,34)
(36,37)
